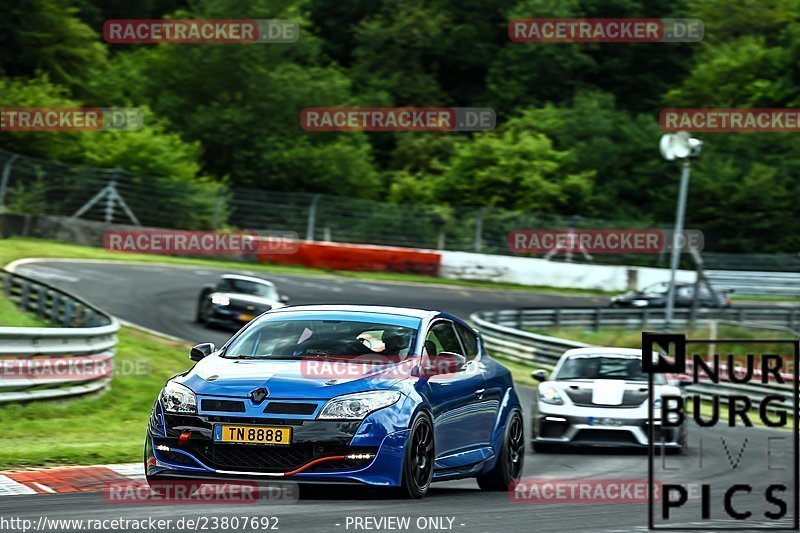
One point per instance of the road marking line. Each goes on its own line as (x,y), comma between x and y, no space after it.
(45,488)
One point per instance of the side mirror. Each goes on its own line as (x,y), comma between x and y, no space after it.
(283,299)
(443,363)
(539,375)
(200,351)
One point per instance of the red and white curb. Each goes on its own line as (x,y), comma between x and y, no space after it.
(68,479)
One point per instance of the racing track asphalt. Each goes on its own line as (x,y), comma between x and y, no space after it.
(163,298)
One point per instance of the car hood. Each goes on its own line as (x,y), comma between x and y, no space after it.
(249,299)
(289,379)
(609,392)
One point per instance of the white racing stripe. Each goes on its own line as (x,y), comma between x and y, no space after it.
(9,487)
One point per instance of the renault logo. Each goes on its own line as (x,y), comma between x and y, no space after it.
(259,394)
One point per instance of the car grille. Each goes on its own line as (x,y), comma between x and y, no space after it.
(604,436)
(583,398)
(290,408)
(245,308)
(229,406)
(178,458)
(552,429)
(273,459)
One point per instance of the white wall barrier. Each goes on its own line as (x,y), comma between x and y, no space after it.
(532,271)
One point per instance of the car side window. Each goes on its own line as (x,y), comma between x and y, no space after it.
(469,340)
(443,338)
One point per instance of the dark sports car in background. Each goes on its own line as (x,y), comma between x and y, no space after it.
(656,296)
(383,396)
(236,300)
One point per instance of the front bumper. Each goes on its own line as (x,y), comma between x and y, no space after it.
(369,451)
(607,431)
(230,317)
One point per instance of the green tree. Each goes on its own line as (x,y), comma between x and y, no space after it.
(47,36)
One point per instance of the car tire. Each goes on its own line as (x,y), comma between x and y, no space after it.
(508,467)
(418,458)
(203,310)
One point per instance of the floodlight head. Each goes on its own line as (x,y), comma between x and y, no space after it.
(663,146)
(694,147)
(678,146)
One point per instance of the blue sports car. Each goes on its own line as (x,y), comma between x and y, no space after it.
(382,396)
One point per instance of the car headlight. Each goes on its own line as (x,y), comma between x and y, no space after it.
(178,399)
(639,303)
(549,394)
(220,299)
(357,406)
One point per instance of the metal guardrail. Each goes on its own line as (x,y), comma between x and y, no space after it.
(502,335)
(644,318)
(81,330)
(757,283)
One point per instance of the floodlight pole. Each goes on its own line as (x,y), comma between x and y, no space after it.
(677,240)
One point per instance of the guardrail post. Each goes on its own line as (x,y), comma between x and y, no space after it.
(557,318)
(645,317)
(41,303)
(23,299)
(66,319)
(55,303)
(519,318)
(598,318)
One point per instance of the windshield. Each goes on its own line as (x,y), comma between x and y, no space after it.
(316,338)
(657,288)
(599,367)
(248,287)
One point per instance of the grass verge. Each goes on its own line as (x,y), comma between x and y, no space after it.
(10,316)
(106,427)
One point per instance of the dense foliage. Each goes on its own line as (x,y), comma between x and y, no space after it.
(577,123)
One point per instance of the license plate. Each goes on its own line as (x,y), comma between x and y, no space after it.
(246,318)
(277,435)
(603,421)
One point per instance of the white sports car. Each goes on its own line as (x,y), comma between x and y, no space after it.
(598,397)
